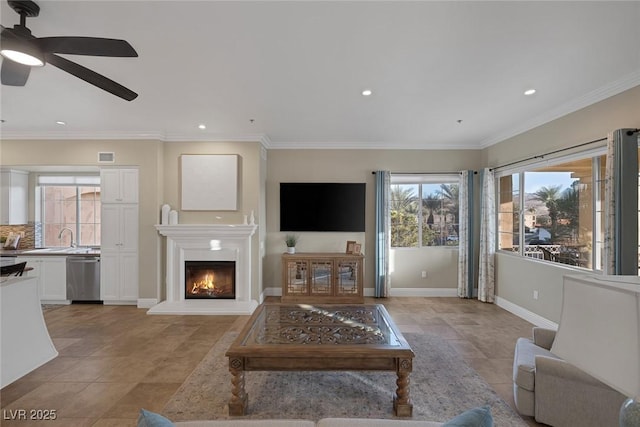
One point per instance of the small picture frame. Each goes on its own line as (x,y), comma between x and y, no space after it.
(350,246)
(357,248)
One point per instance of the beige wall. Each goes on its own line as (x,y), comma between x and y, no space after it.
(588,124)
(249,189)
(143,154)
(357,166)
(517,278)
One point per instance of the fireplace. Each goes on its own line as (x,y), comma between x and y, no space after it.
(187,243)
(210,279)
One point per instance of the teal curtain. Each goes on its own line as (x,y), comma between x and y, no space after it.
(621,204)
(488,220)
(466,265)
(383,236)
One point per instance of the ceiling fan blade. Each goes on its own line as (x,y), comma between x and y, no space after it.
(92,77)
(93,46)
(14,74)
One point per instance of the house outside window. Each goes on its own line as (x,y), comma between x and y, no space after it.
(555,210)
(424,210)
(69,202)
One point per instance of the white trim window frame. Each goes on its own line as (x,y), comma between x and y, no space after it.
(75,182)
(446,238)
(592,258)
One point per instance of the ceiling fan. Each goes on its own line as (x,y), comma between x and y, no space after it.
(21,51)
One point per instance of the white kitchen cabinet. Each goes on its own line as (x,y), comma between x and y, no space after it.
(51,274)
(119,185)
(14,186)
(119,277)
(119,254)
(119,227)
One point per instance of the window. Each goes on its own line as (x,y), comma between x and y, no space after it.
(424,210)
(555,210)
(71,203)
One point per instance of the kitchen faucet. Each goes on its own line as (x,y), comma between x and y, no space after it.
(73,244)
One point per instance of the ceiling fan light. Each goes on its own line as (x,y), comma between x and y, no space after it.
(23,58)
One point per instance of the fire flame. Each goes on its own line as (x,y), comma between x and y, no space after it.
(206,284)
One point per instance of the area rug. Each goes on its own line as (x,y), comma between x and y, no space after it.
(442,385)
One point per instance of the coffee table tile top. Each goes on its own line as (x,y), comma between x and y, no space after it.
(322,325)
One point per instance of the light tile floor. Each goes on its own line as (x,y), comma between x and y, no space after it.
(113,360)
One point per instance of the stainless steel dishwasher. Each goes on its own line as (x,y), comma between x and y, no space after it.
(83,279)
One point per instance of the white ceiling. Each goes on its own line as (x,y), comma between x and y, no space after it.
(297,69)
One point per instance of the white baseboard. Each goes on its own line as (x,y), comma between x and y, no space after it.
(525,314)
(147,302)
(423,292)
(118,302)
(274,291)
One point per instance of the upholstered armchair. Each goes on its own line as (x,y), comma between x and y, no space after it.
(557,393)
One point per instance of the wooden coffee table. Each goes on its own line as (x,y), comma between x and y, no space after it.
(300,337)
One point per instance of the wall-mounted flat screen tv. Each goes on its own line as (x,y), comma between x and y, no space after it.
(314,206)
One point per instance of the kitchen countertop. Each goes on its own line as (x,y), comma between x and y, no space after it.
(51,252)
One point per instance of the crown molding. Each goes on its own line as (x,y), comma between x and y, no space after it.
(263,139)
(95,135)
(107,135)
(625,83)
(210,137)
(367,145)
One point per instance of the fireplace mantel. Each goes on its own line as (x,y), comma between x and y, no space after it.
(218,231)
(191,242)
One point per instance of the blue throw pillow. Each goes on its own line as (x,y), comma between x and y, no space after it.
(476,417)
(151,419)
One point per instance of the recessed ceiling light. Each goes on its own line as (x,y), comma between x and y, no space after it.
(60,122)
(202,126)
(366,92)
(529,92)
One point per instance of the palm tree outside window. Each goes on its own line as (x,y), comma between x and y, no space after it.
(554,210)
(424,213)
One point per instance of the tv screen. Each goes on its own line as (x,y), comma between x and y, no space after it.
(314,206)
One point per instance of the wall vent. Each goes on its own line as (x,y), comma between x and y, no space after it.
(104,157)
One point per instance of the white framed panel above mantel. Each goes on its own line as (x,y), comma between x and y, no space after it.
(209,182)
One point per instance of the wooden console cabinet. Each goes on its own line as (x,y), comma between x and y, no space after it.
(322,277)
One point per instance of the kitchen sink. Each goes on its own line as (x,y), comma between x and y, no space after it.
(65,250)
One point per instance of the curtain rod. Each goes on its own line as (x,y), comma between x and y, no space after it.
(541,156)
(631,132)
(425,173)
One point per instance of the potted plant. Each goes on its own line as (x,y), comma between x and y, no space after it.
(290,240)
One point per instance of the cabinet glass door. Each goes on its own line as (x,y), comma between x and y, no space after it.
(321,272)
(347,277)
(297,278)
